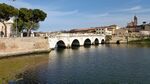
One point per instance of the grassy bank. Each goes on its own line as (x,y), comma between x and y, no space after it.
(143,41)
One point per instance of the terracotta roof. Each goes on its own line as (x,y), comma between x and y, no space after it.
(82,29)
(93,28)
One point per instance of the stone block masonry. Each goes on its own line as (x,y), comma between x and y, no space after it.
(21,46)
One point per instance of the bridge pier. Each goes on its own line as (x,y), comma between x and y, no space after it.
(68,46)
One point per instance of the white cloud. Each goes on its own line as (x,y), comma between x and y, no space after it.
(97,15)
(135,8)
(59,19)
(62,13)
(143,10)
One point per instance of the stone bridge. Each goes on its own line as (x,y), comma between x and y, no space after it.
(71,39)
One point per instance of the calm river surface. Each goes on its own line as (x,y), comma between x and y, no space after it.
(103,64)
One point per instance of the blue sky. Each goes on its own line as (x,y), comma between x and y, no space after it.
(70,14)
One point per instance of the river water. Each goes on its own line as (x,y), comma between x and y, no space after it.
(102,64)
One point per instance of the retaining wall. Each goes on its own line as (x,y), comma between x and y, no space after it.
(19,46)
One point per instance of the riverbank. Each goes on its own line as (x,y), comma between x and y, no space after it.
(12,69)
(143,41)
(20,53)
(10,47)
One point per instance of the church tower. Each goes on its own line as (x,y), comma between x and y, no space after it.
(135,21)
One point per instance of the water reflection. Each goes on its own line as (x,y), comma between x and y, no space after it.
(75,47)
(102,64)
(128,45)
(87,46)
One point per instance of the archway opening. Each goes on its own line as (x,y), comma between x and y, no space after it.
(96,42)
(75,44)
(60,44)
(87,43)
(102,41)
(118,42)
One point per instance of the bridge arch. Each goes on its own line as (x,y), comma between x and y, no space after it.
(87,41)
(75,43)
(96,41)
(118,42)
(60,44)
(102,41)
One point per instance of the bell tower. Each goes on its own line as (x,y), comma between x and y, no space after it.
(135,21)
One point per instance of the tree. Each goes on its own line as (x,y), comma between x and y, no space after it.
(23,17)
(28,19)
(37,16)
(19,24)
(6,12)
(144,23)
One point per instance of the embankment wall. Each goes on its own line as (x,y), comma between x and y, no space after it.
(21,46)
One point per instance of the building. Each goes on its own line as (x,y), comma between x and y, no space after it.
(133,23)
(145,33)
(131,26)
(122,32)
(6,32)
(107,30)
(136,30)
(83,30)
(144,29)
(103,30)
(134,34)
